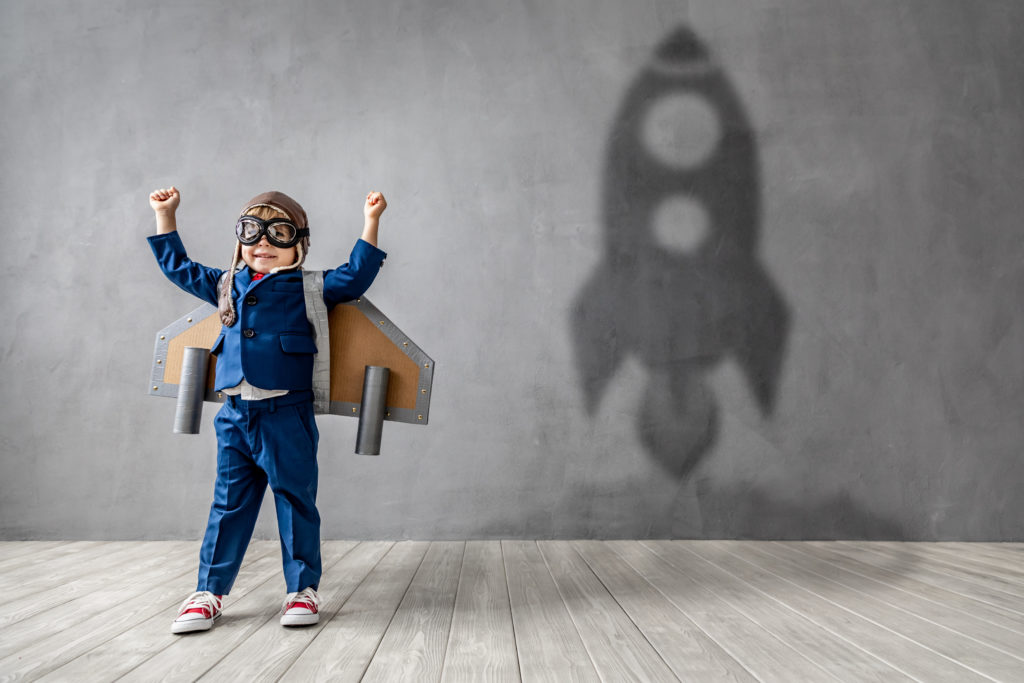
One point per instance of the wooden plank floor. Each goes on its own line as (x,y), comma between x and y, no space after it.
(527,611)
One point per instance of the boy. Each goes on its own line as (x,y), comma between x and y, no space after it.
(266,432)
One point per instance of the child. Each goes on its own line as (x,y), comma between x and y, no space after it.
(266,432)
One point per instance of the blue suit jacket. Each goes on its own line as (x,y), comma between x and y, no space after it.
(271,343)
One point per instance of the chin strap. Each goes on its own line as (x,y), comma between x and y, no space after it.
(226,290)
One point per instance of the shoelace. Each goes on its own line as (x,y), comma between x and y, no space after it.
(307,595)
(204,600)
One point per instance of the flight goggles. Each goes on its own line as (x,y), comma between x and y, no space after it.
(280,232)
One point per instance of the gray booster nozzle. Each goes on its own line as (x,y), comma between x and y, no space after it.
(372,410)
(191,390)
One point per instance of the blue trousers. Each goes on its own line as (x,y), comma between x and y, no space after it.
(259,442)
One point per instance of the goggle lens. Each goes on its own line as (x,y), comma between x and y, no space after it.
(282,232)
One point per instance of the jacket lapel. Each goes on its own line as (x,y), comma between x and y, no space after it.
(243,278)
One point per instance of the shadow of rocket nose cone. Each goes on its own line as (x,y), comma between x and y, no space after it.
(681,48)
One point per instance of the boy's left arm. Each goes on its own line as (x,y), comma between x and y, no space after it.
(351,280)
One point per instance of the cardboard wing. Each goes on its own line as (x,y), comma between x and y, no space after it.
(360,336)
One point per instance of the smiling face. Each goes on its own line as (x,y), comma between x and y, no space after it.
(263,256)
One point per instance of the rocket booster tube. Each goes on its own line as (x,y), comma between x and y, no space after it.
(372,410)
(191,390)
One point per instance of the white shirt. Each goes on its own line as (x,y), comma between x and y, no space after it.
(250,393)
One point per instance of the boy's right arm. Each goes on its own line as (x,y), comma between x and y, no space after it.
(194,278)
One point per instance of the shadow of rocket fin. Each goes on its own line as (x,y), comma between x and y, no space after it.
(761,346)
(599,348)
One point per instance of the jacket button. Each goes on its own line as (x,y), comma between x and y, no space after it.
(250,300)
(249,333)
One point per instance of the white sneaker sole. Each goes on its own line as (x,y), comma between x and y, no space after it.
(193,625)
(299,619)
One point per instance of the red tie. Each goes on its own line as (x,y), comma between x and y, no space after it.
(257,276)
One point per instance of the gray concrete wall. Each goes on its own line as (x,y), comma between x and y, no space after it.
(766,285)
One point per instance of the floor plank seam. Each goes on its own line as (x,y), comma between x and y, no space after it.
(730,651)
(225,653)
(172,643)
(341,606)
(932,582)
(882,626)
(323,623)
(745,614)
(727,602)
(818,624)
(103,559)
(391,620)
(270,576)
(622,609)
(953,556)
(964,574)
(451,617)
(92,647)
(918,616)
(913,593)
(574,609)
(565,606)
(716,641)
(512,621)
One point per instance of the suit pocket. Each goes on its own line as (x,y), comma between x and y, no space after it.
(307,424)
(217,345)
(287,286)
(297,343)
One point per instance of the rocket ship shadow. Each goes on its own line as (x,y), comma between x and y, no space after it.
(680,311)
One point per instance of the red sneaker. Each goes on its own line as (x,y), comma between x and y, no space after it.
(197,612)
(301,609)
